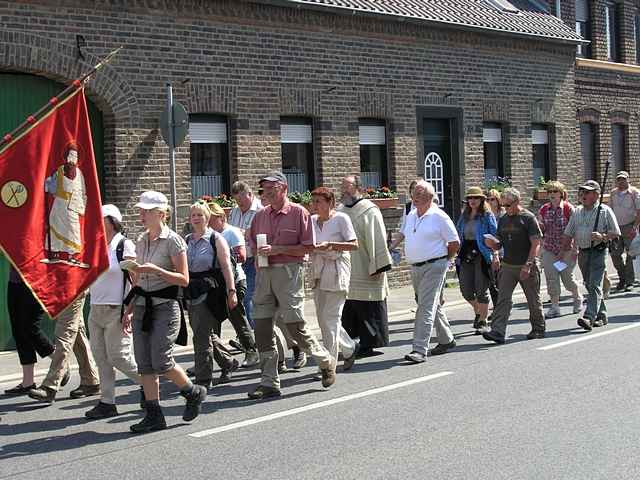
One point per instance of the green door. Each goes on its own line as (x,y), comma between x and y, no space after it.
(20,96)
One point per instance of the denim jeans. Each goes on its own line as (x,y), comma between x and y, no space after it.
(249,268)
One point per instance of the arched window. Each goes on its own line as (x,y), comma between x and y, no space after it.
(433,173)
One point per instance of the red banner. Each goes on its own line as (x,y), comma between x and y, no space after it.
(50,208)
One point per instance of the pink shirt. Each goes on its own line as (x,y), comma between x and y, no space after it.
(291,225)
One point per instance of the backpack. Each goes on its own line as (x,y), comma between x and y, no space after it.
(234,260)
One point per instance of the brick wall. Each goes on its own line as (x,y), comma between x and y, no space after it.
(256,63)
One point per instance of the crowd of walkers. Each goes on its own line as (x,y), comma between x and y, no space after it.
(249,268)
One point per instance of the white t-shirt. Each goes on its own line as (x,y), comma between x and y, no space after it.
(337,229)
(107,289)
(233,236)
(426,237)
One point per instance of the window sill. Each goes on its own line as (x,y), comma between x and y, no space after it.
(610,66)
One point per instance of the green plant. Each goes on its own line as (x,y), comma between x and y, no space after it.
(223,200)
(541,184)
(303,198)
(497,183)
(382,192)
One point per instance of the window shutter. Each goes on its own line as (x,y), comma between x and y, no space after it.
(208,132)
(539,137)
(492,135)
(372,135)
(582,10)
(295,133)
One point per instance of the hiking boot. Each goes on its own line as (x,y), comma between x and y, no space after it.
(553,312)
(251,359)
(152,421)
(226,374)
(263,392)
(585,323)
(415,357)
(102,410)
(299,358)
(43,394)
(194,402)
(476,322)
(328,377)
(85,391)
(493,337)
(442,348)
(533,335)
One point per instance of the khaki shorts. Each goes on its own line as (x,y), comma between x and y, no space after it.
(280,292)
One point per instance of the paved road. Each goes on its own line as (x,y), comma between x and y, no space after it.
(479,412)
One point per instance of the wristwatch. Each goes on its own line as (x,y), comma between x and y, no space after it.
(230,291)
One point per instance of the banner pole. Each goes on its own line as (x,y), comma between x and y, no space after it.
(76,84)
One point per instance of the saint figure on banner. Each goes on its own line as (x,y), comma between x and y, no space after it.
(64,237)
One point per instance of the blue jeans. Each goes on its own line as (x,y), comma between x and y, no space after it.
(592,265)
(249,268)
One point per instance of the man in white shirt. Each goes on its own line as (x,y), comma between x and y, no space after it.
(431,242)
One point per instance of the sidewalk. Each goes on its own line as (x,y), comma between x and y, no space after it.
(400,305)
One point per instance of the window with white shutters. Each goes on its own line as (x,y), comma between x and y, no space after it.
(540,147)
(373,153)
(296,138)
(209,153)
(493,151)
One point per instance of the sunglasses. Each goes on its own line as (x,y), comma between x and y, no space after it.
(475,198)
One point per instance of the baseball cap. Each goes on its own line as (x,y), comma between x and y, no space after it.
(623,174)
(274,176)
(150,200)
(110,210)
(590,185)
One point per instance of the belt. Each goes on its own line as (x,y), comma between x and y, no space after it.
(431,260)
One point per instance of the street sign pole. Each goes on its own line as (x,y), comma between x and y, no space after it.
(171,141)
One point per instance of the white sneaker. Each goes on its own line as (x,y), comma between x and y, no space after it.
(577,305)
(553,312)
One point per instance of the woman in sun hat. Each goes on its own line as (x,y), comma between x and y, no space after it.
(157,315)
(474,258)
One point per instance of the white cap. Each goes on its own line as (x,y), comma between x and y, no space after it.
(150,200)
(110,210)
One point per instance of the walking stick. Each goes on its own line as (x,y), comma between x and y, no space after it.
(602,187)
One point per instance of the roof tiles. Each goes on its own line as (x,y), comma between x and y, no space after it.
(531,20)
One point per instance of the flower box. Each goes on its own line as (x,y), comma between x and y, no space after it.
(384,203)
(541,195)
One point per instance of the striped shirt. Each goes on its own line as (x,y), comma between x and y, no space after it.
(243,220)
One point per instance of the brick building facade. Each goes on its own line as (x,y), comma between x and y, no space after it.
(438,79)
